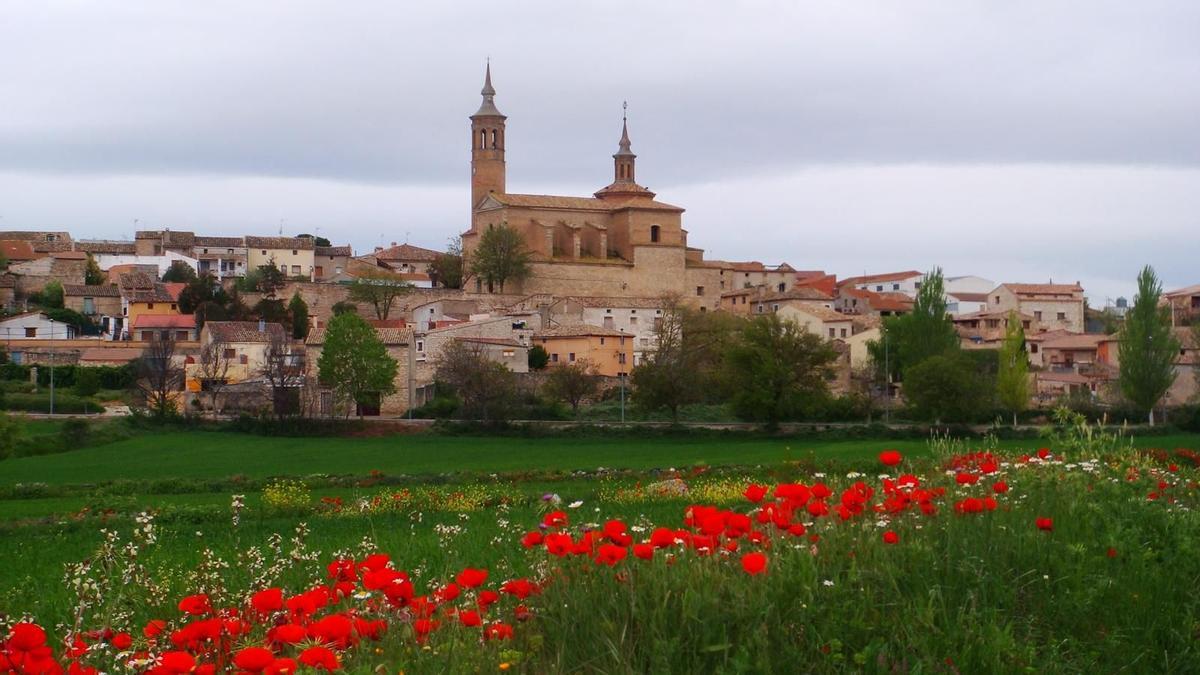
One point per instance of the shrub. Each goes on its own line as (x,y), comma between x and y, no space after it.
(12,434)
(63,403)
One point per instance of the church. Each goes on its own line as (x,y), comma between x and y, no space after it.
(619,242)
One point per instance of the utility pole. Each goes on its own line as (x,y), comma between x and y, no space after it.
(622,379)
(887,383)
(52,355)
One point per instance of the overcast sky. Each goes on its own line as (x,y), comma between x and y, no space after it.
(1020,141)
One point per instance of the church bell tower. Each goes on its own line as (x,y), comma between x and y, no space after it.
(487,145)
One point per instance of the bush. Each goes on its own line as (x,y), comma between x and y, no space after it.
(286,497)
(12,435)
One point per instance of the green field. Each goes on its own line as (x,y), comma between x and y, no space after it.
(1044,603)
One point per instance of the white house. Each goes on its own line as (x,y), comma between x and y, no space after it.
(907,282)
(967,294)
(34,326)
(163,262)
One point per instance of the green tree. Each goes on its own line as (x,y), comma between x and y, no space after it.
(272,310)
(87,382)
(204,288)
(298,311)
(687,363)
(500,257)
(947,388)
(926,331)
(778,370)
(447,269)
(344,307)
(267,279)
(538,357)
(354,363)
(92,274)
(179,272)
(380,289)
(485,389)
(12,435)
(52,294)
(1148,348)
(571,383)
(1012,382)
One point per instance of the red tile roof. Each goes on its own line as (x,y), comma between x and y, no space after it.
(872,278)
(16,250)
(164,321)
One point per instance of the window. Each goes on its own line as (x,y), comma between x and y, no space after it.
(654,233)
(293,251)
(264,251)
(831,333)
(879,288)
(621,358)
(895,287)
(1062,316)
(89,305)
(174,306)
(608,322)
(782,287)
(775,307)
(320,271)
(1033,348)
(420,345)
(997,299)
(843,332)
(30,331)
(633,322)
(149,305)
(571,357)
(295,270)
(601,341)
(230,353)
(181,335)
(1025,324)
(554,358)
(622,341)
(699,290)
(243,359)
(1037,315)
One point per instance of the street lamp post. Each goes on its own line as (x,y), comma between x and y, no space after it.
(51,354)
(622,379)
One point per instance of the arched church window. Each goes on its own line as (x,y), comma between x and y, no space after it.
(654,233)
(494,138)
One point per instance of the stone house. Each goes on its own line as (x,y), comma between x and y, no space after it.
(294,256)
(502,329)
(1185,305)
(817,320)
(851,300)
(405,257)
(330,261)
(638,317)
(221,257)
(907,282)
(774,301)
(1051,305)
(94,302)
(34,326)
(66,267)
(150,327)
(142,295)
(608,350)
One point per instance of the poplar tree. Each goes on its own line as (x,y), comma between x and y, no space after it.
(1012,381)
(1147,347)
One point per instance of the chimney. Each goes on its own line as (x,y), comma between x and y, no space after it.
(262,325)
(393,244)
(378,249)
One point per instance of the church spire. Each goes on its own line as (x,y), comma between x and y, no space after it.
(488,106)
(624,145)
(624,183)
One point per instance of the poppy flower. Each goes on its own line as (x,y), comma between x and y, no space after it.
(555,519)
(643,551)
(267,601)
(471,577)
(177,662)
(755,493)
(891,537)
(966,478)
(26,637)
(890,457)
(487,597)
(999,487)
(288,634)
(320,658)
(754,563)
(521,588)
(531,539)
(254,659)
(1112,552)
(611,554)
(122,641)
(284,666)
(195,605)
(498,631)
(469,618)
(662,537)
(447,593)
(1045,524)
(1043,453)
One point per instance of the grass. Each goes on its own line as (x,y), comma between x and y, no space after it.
(211,454)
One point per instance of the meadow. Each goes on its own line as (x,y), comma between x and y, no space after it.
(1087,559)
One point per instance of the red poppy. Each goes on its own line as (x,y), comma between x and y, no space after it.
(611,554)
(26,637)
(487,597)
(1043,453)
(153,628)
(177,662)
(254,659)
(754,563)
(288,634)
(1112,552)
(471,577)
(891,537)
(447,593)
(267,601)
(498,631)
(999,487)
(890,457)
(966,478)
(522,588)
(531,539)
(195,605)
(122,641)
(1045,524)
(320,658)
(469,618)
(643,551)
(281,667)
(755,492)
(555,519)
(662,537)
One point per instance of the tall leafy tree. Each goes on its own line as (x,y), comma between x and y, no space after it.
(354,363)
(572,383)
(159,378)
(1148,348)
(448,270)
(92,274)
(778,370)
(500,257)
(485,389)
(204,288)
(380,290)
(1012,381)
(948,387)
(298,309)
(924,332)
(179,272)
